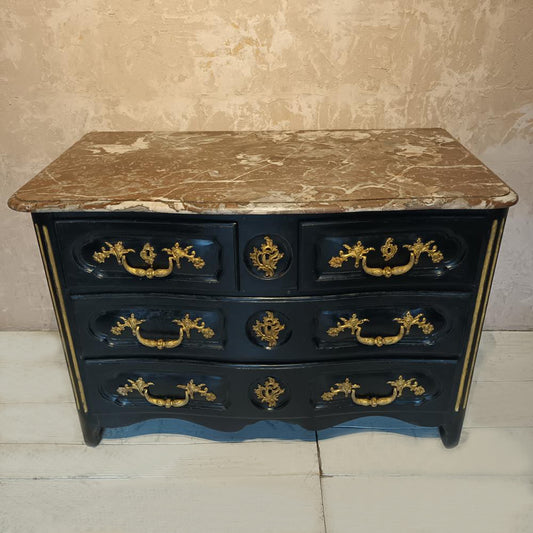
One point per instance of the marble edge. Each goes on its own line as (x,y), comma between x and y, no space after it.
(178,207)
(272,131)
(509,199)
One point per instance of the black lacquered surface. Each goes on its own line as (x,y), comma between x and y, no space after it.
(230,295)
(303,385)
(306,322)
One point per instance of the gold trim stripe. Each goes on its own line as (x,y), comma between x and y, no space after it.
(479,297)
(59,324)
(485,304)
(64,316)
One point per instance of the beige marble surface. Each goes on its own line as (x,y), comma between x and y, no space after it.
(265,172)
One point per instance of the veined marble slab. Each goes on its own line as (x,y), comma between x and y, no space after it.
(265,172)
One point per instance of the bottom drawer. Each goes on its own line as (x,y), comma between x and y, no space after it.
(302,393)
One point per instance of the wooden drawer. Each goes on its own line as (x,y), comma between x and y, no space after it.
(140,255)
(396,251)
(272,256)
(272,330)
(402,388)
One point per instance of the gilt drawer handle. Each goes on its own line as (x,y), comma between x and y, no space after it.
(398,386)
(190,389)
(186,325)
(148,255)
(359,253)
(407,321)
(267,257)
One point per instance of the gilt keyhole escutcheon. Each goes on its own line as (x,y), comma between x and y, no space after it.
(267,256)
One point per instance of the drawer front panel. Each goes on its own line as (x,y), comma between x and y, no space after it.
(273,330)
(179,388)
(137,385)
(388,253)
(423,324)
(147,256)
(384,386)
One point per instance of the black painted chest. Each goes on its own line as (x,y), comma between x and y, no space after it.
(310,317)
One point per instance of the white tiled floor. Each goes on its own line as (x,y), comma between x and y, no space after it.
(369,475)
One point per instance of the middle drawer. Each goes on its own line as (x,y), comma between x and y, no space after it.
(269,330)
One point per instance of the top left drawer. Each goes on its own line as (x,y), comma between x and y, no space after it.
(109,256)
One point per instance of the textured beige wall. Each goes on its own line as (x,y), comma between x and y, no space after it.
(68,67)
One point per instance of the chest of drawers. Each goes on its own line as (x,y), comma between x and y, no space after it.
(312,277)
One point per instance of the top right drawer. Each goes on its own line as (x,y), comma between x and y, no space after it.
(384,251)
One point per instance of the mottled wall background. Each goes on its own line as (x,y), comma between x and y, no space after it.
(68,67)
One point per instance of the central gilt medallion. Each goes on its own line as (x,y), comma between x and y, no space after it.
(269,392)
(268,329)
(267,257)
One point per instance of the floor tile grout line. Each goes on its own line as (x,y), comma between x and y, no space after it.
(65,402)
(360,476)
(427,476)
(320,477)
(128,442)
(126,477)
(81,444)
(391,429)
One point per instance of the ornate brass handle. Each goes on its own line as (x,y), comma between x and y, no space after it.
(266,259)
(359,253)
(148,255)
(398,386)
(185,324)
(190,389)
(406,322)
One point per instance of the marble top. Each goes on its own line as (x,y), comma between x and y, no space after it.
(264,172)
